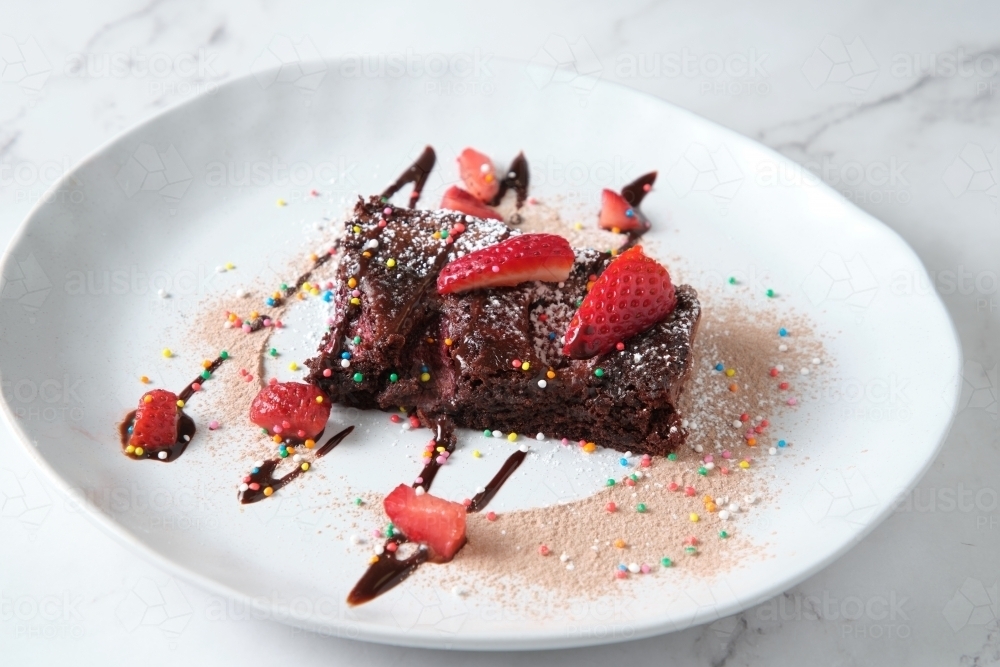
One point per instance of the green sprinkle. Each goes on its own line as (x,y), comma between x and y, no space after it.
(641,508)
(635,478)
(264,431)
(578,302)
(273,352)
(770,293)
(691,550)
(357,340)
(205,374)
(358,501)
(393,377)
(723,534)
(283,453)
(732,280)
(487,433)
(666,562)
(703,471)
(358,377)
(284,287)
(672,457)
(390,530)
(610,482)
(223,355)
(599,372)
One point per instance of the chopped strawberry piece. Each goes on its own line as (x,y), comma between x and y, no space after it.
(478,174)
(292,408)
(155,424)
(511,262)
(429,520)
(457,199)
(616,213)
(632,294)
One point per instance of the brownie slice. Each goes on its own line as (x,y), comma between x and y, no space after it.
(453,357)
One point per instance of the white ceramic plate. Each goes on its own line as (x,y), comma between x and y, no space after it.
(169,201)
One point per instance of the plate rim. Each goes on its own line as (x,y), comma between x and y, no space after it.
(531,641)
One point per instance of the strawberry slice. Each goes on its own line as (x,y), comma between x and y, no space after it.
(616,213)
(632,294)
(291,408)
(457,199)
(478,174)
(155,424)
(429,520)
(511,262)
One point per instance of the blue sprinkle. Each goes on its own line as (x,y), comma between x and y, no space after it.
(629,213)
(782,331)
(345,355)
(328,296)
(552,336)
(622,567)
(254,471)
(781,443)
(269,301)
(623,461)
(131,428)
(720,367)
(424,369)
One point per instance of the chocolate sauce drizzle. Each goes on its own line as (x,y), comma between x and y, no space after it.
(388,571)
(517,178)
(263,476)
(185,425)
(634,193)
(417,173)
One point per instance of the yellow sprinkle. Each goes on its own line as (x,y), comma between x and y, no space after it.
(373,560)
(306,285)
(305,466)
(300,296)
(313,257)
(578,226)
(708,499)
(147,399)
(440,449)
(620,543)
(310,444)
(590,285)
(589,447)
(551,374)
(447,341)
(366,254)
(390,262)
(477,454)
(276,295)
(730,372)
(436,235)
(230,266)
(711,507)
(319,399)
(282,202)
(205,363)
(525,365)
(355,301)
(167,353)
(293,366)
(276,438)
(512,437)
(488,178)
(616,230)
(352,283)
(614,252)
(357,230)
(180,403)
(129,449)
(139,451)
(424,377)
(693,517)
(268,490)
(744,464)
(232,316)
(427,454)
(143,379)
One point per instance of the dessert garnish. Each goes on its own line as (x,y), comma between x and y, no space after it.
(516,260)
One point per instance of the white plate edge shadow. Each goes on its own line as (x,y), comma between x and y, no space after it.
(467,641)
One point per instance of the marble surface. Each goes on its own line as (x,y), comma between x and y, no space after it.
(897,104)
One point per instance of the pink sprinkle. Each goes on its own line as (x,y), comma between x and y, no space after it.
(273,381)
(387,211)
(673,486)
(449,240)
(496,269)
(391,547)
(246,328)
(793,401)
(432,443)
(491,516)
(441,460)
(724,470)
(356,292)
(196,386)
(381,223)
(212,425)
(532,200)
(313,193)
(327,373)
(565,441)
(376,532)
(246,479)
(726,454)
(267,321)
(644,568)
(621,574)
(276,429)
(445,454)
(248,378)
(278,324)
(285,424)
(459,227)
(418,480)
(709,458)
(646,187)
(516,363)
(544,550)
(255,487)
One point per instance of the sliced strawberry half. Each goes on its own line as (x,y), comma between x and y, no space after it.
(616,213)
(478,174)
(511,262)
(429,520)
(155,424)
(457,199)
(291,408)
(632,294)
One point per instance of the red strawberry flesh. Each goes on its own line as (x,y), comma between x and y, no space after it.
(511,262)
(478,174)
(457,199)
(291,408)
(632,295)
(616,213)
(429,520)
(155,424)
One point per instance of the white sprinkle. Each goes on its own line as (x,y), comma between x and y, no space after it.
(244,486)
(638,474)
(356,540)
(633,568)
(423,547)
(636,357)
(737,423)
(459,592)
(523,448)
(782,348)
(772,451)
(709,466)
(469,218)
(561,285)
(220,269)
(297,458)
(480,489)
(372,243)
(699,448)
(542,384)
(497,434)
(540,437)
(162,293)
(419,491)
(724,515)
(258,464)
(564,557)
(569,566)
(187,438)
(241,293)
(379,549)
(734,507)
(406,425)
(485,167)
(781,368)
(816,361)
(345,363)
(227,325)
(804,371)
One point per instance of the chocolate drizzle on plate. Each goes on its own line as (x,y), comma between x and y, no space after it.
(481,499)
(185,425)
(634,193)
(417,174)
(517,178)
(262,476)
